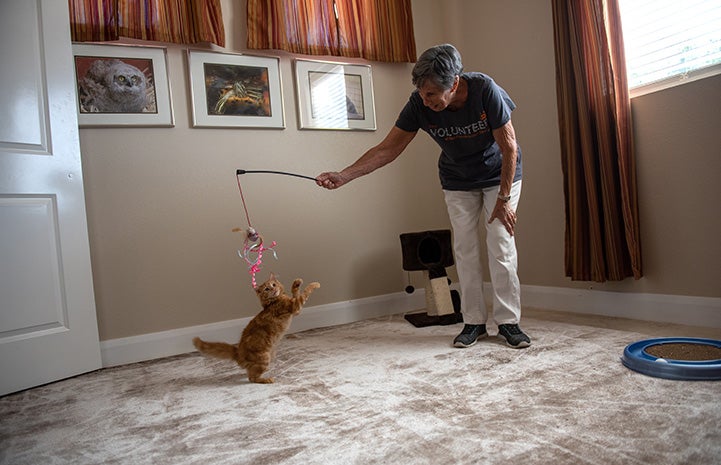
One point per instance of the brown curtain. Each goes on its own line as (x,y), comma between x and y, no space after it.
(172,21)
(594,111)
(377,30)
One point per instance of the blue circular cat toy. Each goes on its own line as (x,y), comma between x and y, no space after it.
(647,357)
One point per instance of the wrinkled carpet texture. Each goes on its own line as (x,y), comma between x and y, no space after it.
(374,392)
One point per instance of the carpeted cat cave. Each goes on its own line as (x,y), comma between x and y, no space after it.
(430,252)
(679,358)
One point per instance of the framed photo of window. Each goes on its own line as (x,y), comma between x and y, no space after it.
(235,91)
(119,85)
(336,96)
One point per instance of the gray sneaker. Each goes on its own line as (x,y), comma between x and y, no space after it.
(470,335)
(514,336)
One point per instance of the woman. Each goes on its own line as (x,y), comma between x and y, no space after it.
(469,116)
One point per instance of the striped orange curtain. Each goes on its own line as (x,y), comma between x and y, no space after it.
(377,30)
(602,227)
(303,26)
(172,21)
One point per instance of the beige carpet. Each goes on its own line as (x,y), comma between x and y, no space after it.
(381,391)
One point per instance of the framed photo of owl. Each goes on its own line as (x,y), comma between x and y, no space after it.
(235,91)
(122,85)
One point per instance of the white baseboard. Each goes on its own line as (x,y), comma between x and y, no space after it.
(663,308)
(179,341)
(694,311)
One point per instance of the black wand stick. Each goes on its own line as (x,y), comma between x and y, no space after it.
(239,172)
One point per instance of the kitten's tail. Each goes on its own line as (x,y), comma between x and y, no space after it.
(216,349)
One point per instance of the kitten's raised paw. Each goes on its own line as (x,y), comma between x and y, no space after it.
(313,285)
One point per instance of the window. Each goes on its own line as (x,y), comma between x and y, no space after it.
(669,42)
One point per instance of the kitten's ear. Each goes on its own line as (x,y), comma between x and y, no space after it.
(272,276)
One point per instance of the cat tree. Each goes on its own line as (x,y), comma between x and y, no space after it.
(430,252)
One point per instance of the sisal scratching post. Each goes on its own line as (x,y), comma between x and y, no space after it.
(438,296)
(430,252)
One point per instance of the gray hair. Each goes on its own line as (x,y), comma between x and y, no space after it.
(440,65)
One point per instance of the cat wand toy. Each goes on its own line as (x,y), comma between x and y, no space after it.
(285,173)
(253,247)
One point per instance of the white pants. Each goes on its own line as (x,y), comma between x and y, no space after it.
(464,210)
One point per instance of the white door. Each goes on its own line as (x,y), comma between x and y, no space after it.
(48,328)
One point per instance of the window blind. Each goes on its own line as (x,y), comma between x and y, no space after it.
(670,39)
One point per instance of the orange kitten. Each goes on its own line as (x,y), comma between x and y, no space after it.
(255,350)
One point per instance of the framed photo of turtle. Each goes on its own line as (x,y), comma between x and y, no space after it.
(235,91)
(119,85)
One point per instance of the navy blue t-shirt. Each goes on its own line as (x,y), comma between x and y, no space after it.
(470,158)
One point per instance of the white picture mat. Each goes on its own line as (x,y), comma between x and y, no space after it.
(158,55)
(201,117)
(335,96)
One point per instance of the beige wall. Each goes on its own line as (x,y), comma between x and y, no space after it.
(678,157)
(162,201)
